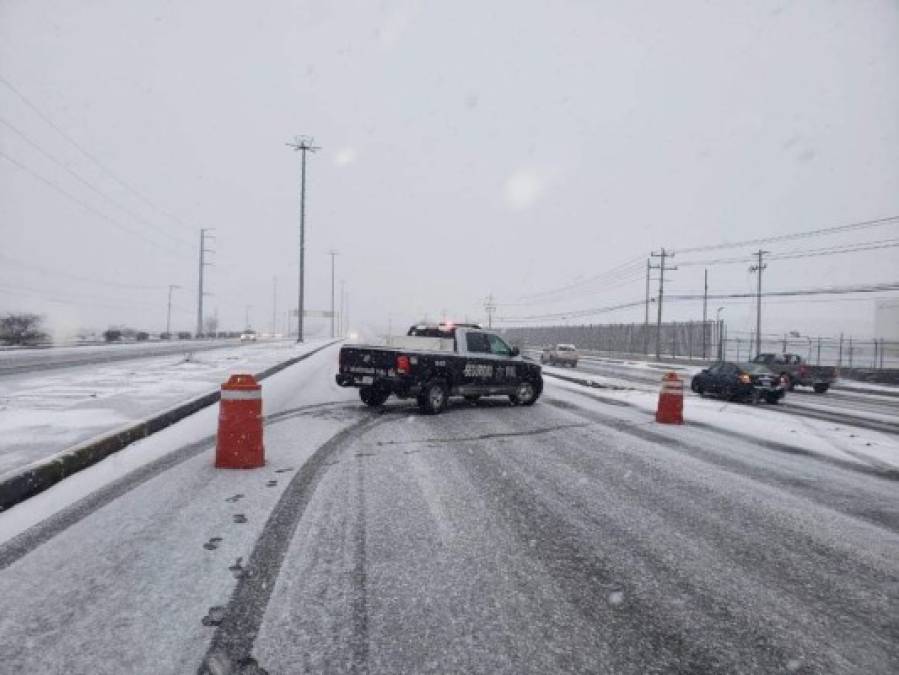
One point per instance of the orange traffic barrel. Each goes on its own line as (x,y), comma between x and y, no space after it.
(670,409)
(239,440)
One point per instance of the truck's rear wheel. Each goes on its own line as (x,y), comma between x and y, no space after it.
(525,394)
(373,397)
(433,397)
(821,388)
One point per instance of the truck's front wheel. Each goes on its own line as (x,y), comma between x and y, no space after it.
(525,394)
(373,397)
(433,397)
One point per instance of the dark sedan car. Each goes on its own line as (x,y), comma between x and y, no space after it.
(739,381)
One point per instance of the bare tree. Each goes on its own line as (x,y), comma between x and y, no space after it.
(22,329)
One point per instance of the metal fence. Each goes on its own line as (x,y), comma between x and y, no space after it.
(711,340)
(691,339)
(843,352)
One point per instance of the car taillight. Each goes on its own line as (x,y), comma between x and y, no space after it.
(783,380)
(402,364)
(745,379)
(801,371)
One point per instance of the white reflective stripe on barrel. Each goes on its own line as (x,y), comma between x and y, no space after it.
(241,394)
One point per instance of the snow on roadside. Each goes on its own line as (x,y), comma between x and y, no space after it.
(45,412)
(868,386)
(840,441)
(308,382)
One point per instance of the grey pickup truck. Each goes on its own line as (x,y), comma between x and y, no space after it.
(434,362)
(796,372)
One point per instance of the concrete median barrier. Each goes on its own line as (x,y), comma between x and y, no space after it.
(38,477)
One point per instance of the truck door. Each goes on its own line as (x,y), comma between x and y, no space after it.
(505,371)
(478,366)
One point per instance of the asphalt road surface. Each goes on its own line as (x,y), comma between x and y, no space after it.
(571,536)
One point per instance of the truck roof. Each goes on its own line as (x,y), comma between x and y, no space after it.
(438,329)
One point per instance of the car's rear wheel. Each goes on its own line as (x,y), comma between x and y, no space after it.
(696,387)
(525,393)
(473,398)
(821,388)
(372,396)
(433,397)
(773,399)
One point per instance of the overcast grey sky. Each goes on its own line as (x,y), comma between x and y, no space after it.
(467,148)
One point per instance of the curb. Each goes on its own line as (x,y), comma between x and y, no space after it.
(38,477)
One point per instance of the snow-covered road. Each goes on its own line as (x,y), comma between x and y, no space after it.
(573,536)
(873,406)
(51,358)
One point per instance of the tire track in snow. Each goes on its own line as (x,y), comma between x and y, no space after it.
(232,644)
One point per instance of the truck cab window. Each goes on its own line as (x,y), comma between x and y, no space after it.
(498,346)
(477,343)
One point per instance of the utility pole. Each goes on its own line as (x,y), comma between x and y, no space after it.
(274,305)
(333,253)
(490,308)
(302,144)
(662,269)
(342,327)
(646,312)
(721,337)
(203,266)
(168,316)
(759,268)
(705,305)
(247,316)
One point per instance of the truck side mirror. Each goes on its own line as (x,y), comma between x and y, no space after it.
(515,351)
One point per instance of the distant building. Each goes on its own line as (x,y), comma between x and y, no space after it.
(886,319)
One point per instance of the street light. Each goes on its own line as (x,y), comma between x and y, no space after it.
(332,253)
(168,315)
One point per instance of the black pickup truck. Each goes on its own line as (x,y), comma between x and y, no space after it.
(434,362)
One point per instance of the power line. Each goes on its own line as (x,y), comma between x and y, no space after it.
(624,268)
(83,204)
(75,300)
(87,183)
(621,280)
(864,224)
(87,154)
(828,290)
(76,277)
(620,269)
(795,254)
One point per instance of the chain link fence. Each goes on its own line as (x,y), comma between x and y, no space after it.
(710,340)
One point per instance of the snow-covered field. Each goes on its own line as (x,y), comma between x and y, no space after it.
(44,412)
